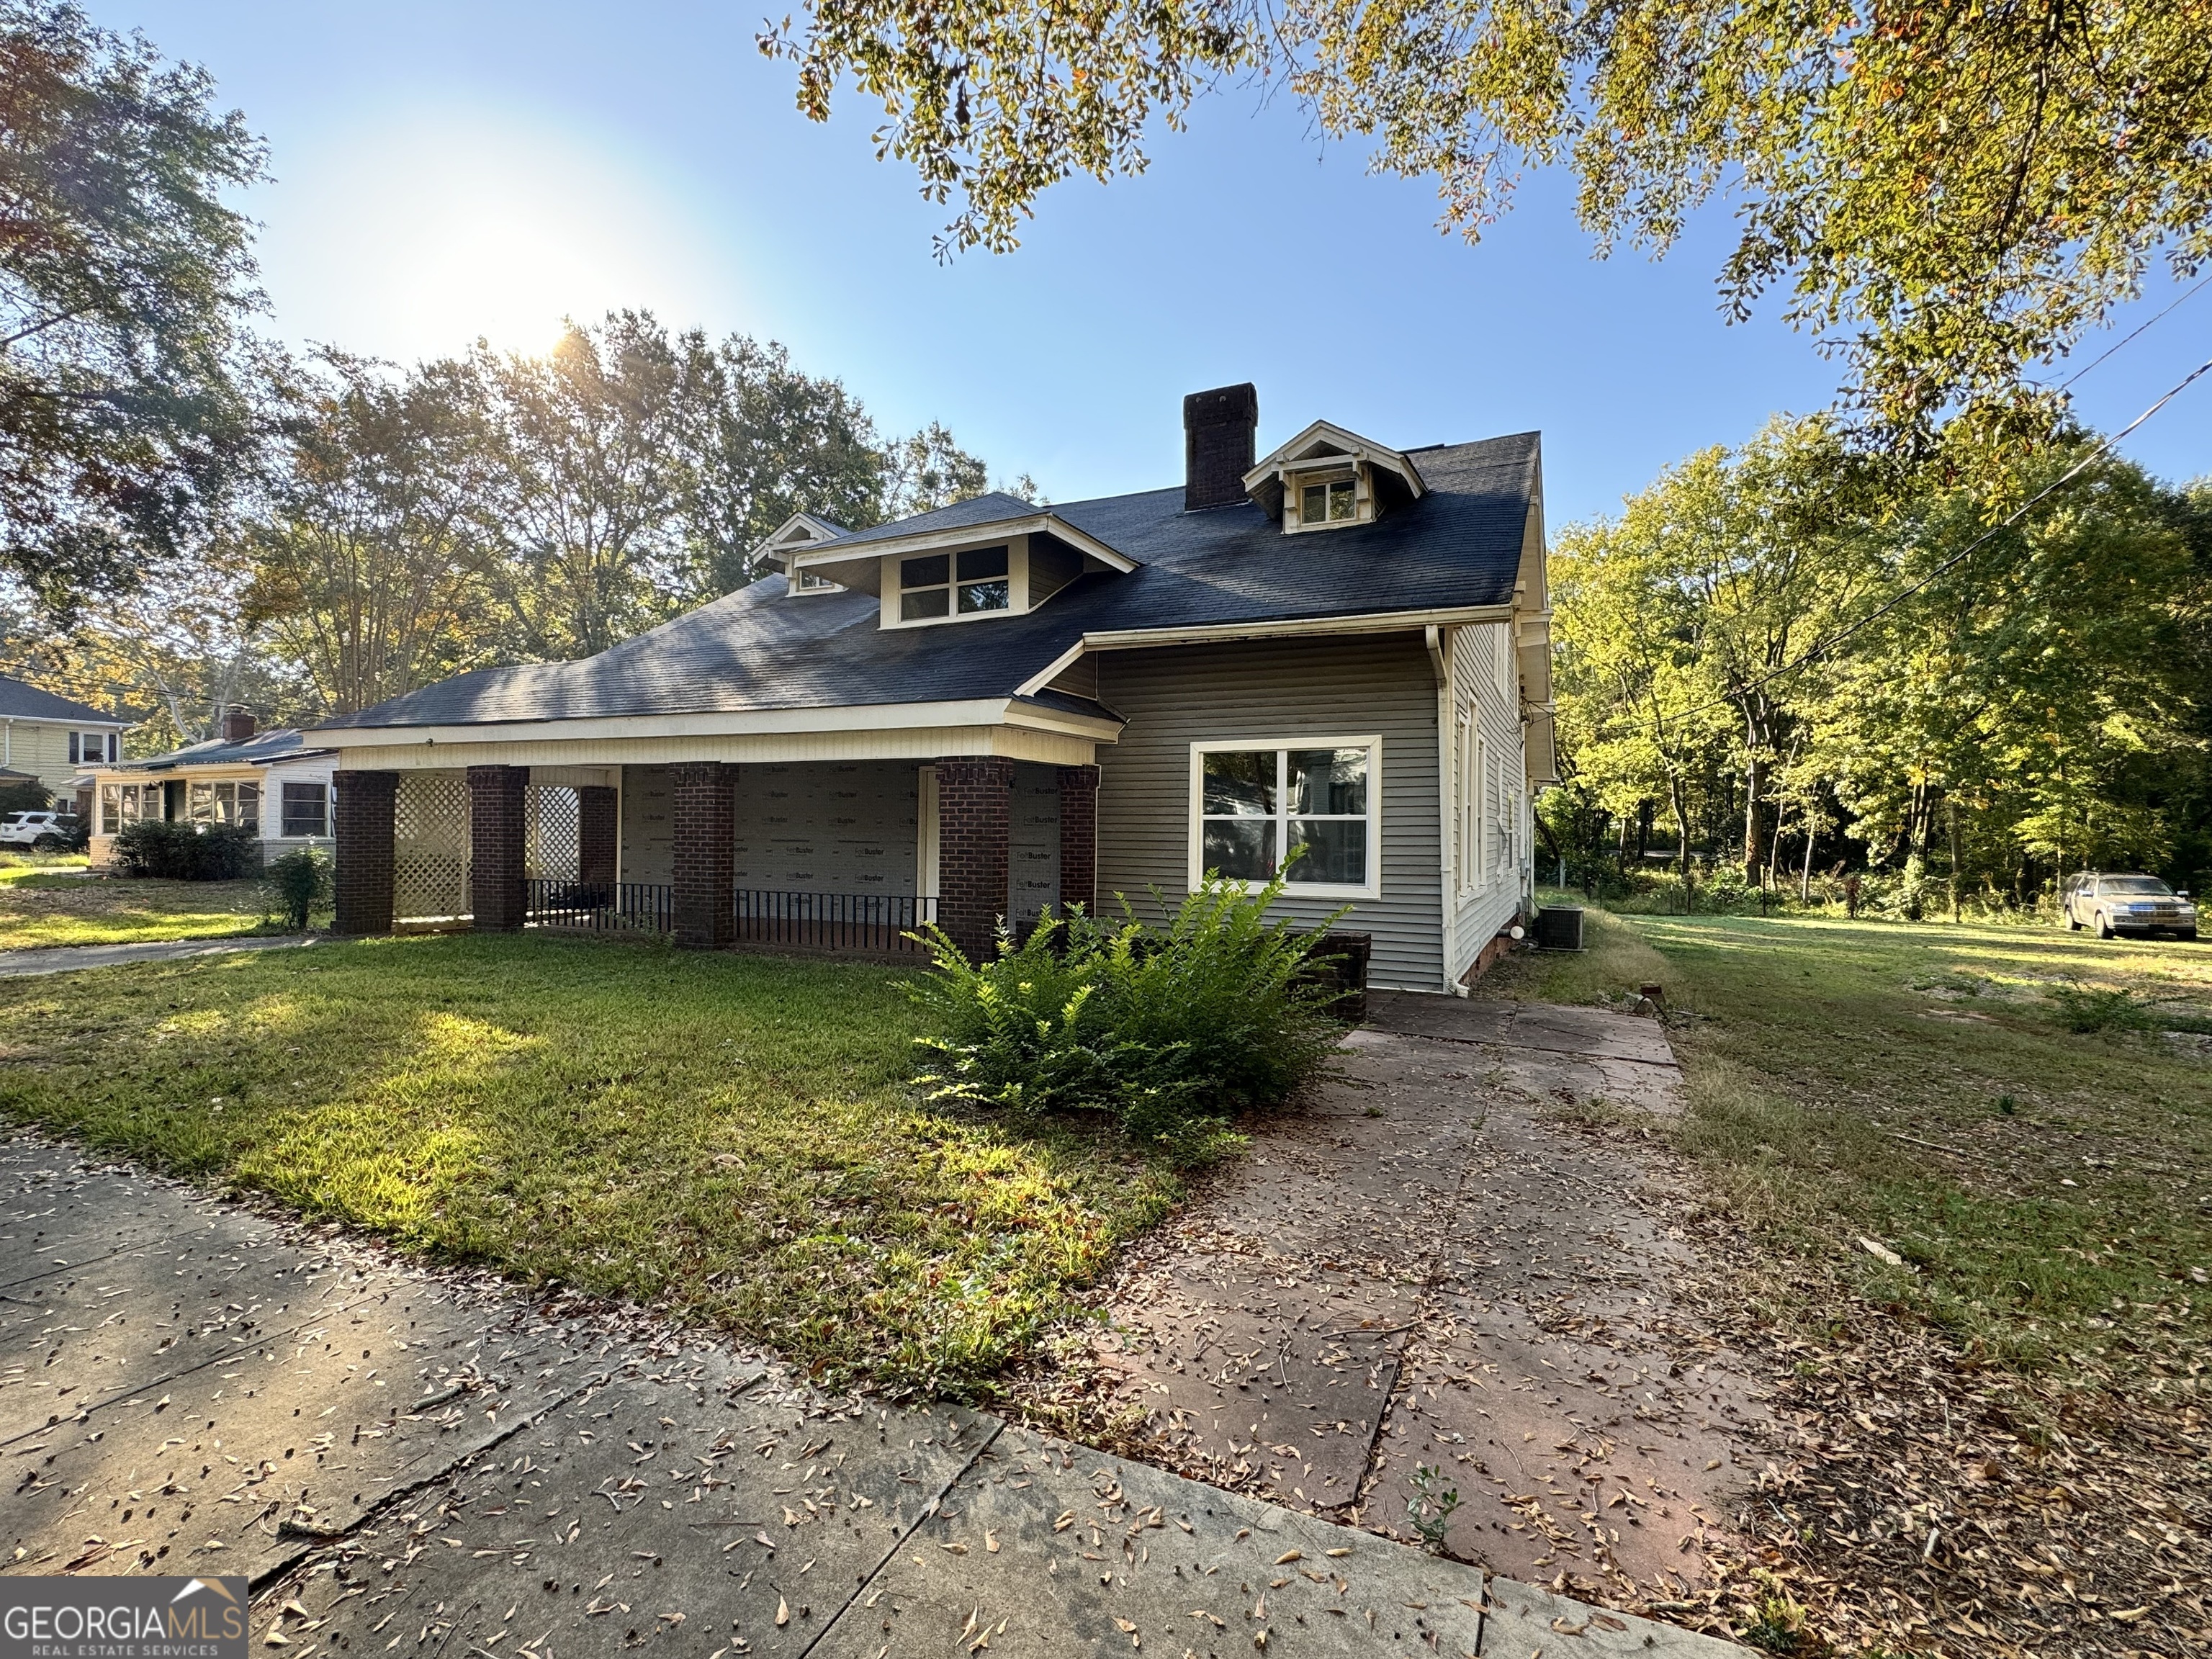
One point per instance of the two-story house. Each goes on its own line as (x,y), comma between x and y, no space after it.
(53,740)
(1334,655)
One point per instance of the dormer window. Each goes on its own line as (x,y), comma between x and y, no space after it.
(969,584)
(808,582)
(1326,477)
(1330,500)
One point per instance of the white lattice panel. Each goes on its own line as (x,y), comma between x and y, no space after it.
(551,833)
(430,845)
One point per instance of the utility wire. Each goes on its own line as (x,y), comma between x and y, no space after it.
(2132,334)
(2010,518)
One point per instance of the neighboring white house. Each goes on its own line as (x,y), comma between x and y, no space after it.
(53,738)
(270,782)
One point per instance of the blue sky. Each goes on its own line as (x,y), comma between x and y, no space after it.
(452,169)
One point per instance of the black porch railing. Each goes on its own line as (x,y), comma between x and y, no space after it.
(873,922)
(640,907)
(832,922)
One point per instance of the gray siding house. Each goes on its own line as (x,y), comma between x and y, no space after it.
(1336,655)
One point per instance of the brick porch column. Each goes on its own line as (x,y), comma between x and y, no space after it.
(974,801)
(705,852)
(596,836)
(496,895)
(361,824)
(1078,837)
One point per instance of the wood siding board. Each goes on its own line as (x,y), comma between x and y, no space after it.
(1269,690)
(1480,914)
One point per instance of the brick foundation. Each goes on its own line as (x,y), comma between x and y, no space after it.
(706,834)
(1488,958)
(362,815)
(496,895)
(974,834)
(1078,837)
(598,835)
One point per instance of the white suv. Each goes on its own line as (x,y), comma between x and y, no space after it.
(49,832)
(2132,903)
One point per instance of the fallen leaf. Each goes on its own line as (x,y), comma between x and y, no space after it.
(782,1612)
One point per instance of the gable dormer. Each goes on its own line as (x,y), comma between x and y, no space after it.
(995,555)
(797,533)
(1326,477)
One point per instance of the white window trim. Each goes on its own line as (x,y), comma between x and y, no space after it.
(808,581)
(1195,871)
(1017,580)
(279,786)
(1326,470)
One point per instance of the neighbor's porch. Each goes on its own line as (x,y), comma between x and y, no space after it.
(847,857)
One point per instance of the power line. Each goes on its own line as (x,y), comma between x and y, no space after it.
(2116,345)
(1970,548)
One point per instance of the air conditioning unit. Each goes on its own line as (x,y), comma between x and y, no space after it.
(1559,928)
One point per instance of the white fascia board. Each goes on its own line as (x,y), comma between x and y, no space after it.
(974,711)
(1354,447)
(928,541)
(779,540)
(1385,622)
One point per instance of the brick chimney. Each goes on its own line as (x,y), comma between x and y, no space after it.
(237,725)
(1218,431)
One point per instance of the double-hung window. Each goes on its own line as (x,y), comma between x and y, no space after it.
(1315,804)
(91,747)
(120,805)
(965,583)
(306,810)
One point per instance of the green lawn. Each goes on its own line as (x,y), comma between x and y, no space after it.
(41,906)
(1918,1084)
(726,1138)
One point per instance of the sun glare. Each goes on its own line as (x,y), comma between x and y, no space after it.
(440,233)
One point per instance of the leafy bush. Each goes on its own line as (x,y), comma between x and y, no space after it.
(2088,1008)
(299,885)
(22,795)
(1171,1031)
(187,852)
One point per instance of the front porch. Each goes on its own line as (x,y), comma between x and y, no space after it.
(839,857)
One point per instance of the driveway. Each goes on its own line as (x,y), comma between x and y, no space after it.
(424,1462)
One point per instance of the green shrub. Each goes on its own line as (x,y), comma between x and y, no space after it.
(2087,1008)
(1171,1031)
(22,795)
(187,852)
(299,885)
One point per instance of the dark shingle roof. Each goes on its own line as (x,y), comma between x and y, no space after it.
(1458,545)
(26,703)
(279,743)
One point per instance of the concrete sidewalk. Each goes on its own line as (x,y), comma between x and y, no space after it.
(69,958)
(429,1463)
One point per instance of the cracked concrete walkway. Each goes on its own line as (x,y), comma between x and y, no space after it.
(1422,1280)
(428,1463)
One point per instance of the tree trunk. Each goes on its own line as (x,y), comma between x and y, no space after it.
(1951,808)
(1774,847)
(1805,876)
(1681,825)
(1755,822)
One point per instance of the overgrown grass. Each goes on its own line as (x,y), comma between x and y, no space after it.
(40,906)
(1999,1105)
(727,1138)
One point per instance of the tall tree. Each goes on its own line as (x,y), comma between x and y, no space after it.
(369,570)
(1946,190)
(124,282)
(767,442)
